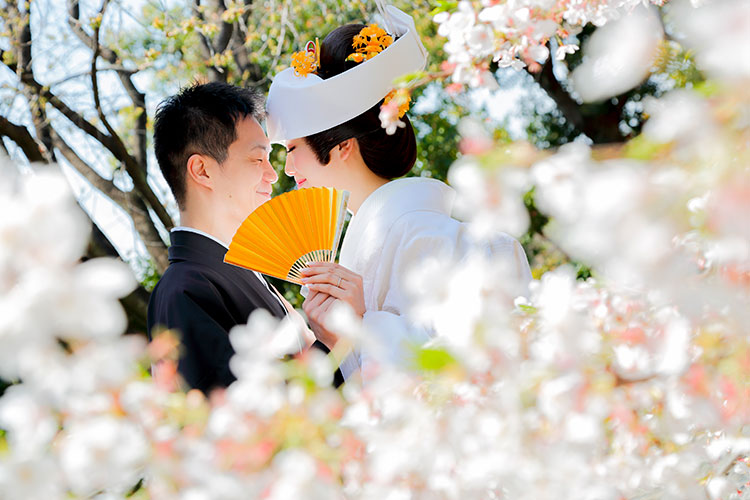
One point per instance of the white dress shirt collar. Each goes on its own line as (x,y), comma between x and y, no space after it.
(202,233)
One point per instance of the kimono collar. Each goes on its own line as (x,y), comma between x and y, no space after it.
(410,194)
(398,197)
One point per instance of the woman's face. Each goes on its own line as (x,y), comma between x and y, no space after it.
(303,165)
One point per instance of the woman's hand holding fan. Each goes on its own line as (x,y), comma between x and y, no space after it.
(336,281)
(329,282)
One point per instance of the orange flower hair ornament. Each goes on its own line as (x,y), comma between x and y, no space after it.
(307,61)
(371,41)
(400,98)
(318,99)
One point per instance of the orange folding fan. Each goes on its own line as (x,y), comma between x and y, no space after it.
(282,235)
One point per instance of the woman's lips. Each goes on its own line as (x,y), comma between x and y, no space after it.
(300,182)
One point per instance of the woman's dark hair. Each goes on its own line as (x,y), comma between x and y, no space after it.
(200,119)
(388,156)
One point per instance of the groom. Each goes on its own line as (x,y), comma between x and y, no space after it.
(213,153)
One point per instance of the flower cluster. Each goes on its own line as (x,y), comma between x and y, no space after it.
(394,107)
(61,336)
(516,34)
(307,61)
(637,378)
(84,418)
(399,98)
(630,384)
(369,42)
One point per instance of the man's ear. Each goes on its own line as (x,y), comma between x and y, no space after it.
(346,149)
(198,170)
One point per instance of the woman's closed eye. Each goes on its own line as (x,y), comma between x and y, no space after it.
(291,149)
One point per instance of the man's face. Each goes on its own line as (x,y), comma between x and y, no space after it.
(244,179)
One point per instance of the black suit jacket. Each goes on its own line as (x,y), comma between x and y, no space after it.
(203,298)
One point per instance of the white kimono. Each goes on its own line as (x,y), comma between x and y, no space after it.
(397,227)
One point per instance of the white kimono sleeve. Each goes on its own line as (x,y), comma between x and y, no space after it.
(411,242)
(393,333)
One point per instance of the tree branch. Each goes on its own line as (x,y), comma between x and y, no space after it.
(565,103)
(138,211)
(23,138)
(111,143)
(130,202)
(605,128)
(74,21)
(135,304)
(240,53)
(218,73)
(95,77)
(137,97)
(222,41)
(106,186)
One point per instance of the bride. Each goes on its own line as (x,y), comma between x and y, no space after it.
(326,110)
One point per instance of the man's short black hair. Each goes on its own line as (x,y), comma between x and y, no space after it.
(200,119)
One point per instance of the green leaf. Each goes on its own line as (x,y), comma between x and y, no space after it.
(642,148)
(434,359)
(4,449)
(708,88)
(443,6)
(408,78)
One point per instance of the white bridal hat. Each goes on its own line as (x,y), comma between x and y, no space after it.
(302,105)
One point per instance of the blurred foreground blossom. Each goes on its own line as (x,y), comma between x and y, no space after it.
(717,31)
(612,66)
(631,384)
(597,216)
(492,199)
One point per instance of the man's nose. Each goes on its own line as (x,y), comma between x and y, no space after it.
(271,174)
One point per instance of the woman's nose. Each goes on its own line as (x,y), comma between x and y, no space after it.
(289,167)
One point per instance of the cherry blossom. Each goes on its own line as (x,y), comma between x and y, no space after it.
(629,384)
(516,34)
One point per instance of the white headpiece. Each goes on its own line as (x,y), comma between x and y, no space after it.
(302,105)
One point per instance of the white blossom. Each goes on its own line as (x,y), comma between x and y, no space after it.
(612,66)
(103,453)
(717,32)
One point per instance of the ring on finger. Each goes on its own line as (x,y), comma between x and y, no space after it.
(338,285)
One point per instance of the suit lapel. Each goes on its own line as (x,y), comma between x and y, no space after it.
(193,247)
